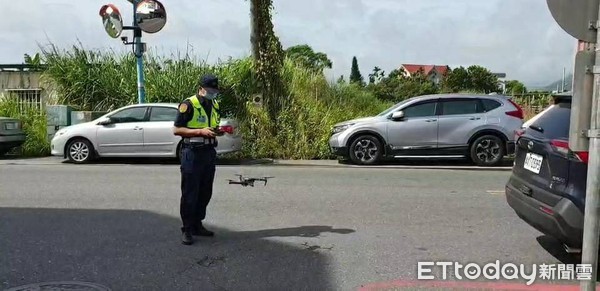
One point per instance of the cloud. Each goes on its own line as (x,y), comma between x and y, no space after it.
(516,37)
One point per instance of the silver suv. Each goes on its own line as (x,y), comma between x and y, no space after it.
(479,127)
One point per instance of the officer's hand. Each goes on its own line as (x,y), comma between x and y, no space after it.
(206,132)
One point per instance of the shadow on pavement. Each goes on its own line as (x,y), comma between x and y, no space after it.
(140,250)
(10,157)
(452,162)
(556,249)
(171,161)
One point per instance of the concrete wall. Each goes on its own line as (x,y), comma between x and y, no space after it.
(27,80)
(20,80)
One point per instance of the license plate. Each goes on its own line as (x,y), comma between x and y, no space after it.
(533,162)
(10,126)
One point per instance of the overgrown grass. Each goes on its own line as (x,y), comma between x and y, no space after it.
(91,80)
(34,124)
(103,81)
(303,128)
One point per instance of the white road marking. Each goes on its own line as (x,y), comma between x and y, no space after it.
(495,192)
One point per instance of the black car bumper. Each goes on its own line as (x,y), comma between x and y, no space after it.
(340,151)
(7,146)
(510,148)
(563,221)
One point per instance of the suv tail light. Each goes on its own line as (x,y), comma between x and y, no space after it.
(517,113)
(583,157)
(562,147)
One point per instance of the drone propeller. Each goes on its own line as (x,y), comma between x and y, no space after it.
(248,181)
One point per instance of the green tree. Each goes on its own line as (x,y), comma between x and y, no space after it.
(376,76)
(355,75)
(515,87)
(473,78)
(33,61)
(397,87)
(483,80)
(305,56)
(456,80)
(268,55)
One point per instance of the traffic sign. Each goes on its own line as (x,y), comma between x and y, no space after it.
(577,17)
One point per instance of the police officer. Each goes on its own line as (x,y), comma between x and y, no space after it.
(197,123)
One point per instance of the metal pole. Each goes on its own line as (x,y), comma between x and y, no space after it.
(563,80)
(139,54)
(591,228)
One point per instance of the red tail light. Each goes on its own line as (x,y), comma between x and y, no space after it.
(584,157)
(518,113)
(227,128)
(562,146)
(547,210)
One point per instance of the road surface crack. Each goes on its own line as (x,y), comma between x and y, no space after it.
(210,261)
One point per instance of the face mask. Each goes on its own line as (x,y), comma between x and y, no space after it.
(211,96)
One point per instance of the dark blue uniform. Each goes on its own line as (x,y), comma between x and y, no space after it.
(198,162)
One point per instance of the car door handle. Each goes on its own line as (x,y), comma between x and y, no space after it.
(138,128)
(475,118)
(431,120)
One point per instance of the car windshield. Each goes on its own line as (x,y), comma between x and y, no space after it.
(389,110)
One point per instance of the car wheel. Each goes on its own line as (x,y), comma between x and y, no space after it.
(366,150)
(80,151)
(487,150)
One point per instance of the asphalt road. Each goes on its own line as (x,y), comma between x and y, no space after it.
(310,228)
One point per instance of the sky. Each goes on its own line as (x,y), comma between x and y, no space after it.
(516,37)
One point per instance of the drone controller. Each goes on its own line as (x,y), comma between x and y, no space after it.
(217,131)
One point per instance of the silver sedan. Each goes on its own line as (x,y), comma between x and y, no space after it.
(141,130)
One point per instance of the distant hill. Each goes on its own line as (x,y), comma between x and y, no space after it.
(558,84)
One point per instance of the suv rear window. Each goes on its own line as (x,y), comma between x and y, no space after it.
(460,106)
(490,104)
(555,122)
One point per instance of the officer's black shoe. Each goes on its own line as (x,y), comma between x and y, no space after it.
(201,231)
(187,238)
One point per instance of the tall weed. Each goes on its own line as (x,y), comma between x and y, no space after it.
(91,80)
(34,125)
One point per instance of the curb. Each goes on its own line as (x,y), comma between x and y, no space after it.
(331,164)
(397,167)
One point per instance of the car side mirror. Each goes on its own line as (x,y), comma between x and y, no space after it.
(105,121)
(398,115)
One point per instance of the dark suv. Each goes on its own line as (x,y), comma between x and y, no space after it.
(548,182)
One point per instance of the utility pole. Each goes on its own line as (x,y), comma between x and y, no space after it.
(579,18)
(138,48)
(591,226)
(563,80)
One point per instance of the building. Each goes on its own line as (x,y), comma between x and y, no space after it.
(501,81)
(434,73)
(25,84)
